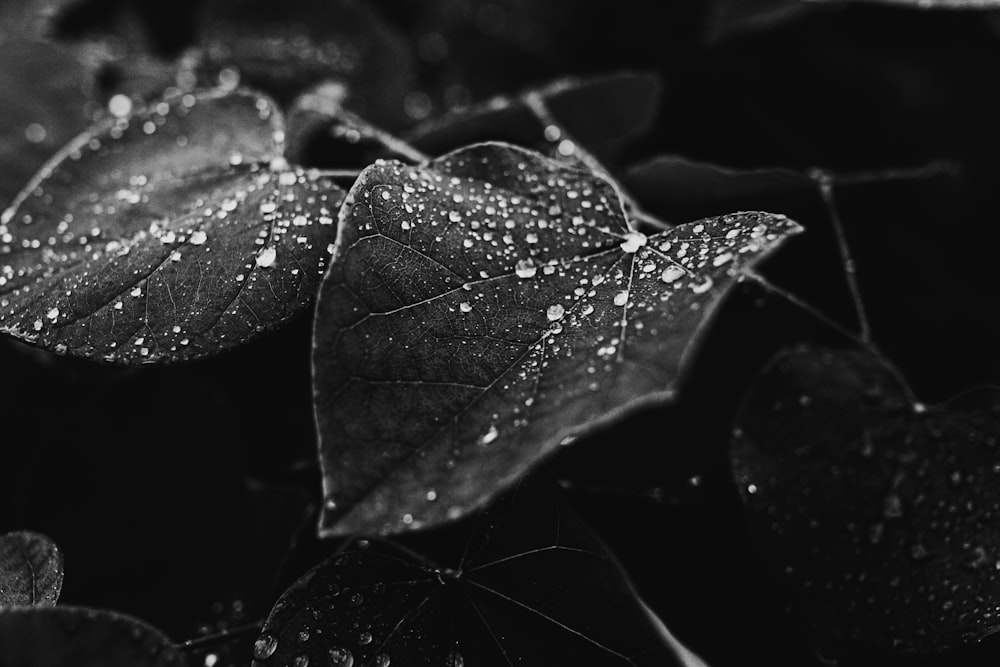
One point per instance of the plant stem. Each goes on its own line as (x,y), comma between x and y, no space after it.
(221,637)
(825,183)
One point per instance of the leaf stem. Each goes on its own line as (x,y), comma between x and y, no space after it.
(825,182)
(221,637)
(810,309)
(535,101)
(864,343)
(390,141)
(935,168)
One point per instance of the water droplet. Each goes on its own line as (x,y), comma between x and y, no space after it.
(301,661)
(702,287)
(490,436)
(340,657)
(893,507)
(465,307)
(120,105)
(265,646)
(633,241)
(555,312)
(621,298)
(455,659)
(382,660)
(266,257)
(525,268)
(35,133)
(365,638)
(198,238)
(671,273)
(53,314)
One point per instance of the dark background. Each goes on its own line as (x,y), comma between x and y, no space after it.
(186,495)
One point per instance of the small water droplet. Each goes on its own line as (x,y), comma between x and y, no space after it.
(555,312)
(198,238)
(265,646)
(621,298)
(340,657)
(365,638)
(465,307)
(301,661)
(382,660)
(455,659)
(490,435)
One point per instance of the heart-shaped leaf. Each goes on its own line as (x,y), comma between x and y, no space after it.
(882,513)
(484,307)
(31,570)
(44,105)
(173,232)
(62,636)
(529,584)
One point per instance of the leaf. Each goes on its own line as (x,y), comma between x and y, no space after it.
(924,4)
(172,233)
(61,636)
(881,513)
(602,112)
(31,570)
(287,47)
(44,105)
(682,189)
(530,584)
(486,306)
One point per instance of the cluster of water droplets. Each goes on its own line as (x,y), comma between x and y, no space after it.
(514,276)
(113,233)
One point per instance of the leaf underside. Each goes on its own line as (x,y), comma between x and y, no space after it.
(173,233)
(31,570)
(60,636)
(484,307)
(529,585)
(881,516)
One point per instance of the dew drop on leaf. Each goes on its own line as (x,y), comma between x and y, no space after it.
(265,646)
(555,312)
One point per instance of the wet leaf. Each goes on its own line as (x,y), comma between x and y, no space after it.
(170,233)
(602,112)
(284,48)
(31,570)
(525,583)
(44,105)
(485,307)
(882,514)
(61,636)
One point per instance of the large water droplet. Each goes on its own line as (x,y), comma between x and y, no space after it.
(525,268)
(633,241)
(490,435)
(266,257)
(671,273)
(265,646)
(555,312)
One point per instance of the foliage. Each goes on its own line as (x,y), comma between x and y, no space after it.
(440,334)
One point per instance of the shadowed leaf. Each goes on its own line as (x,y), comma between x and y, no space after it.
(602,112)
(528,584)
(62,636)
(170,233)
(287,47)
(681,189)
(483,308)
(882,514)
(44,105)
(31,570)
(921,4)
